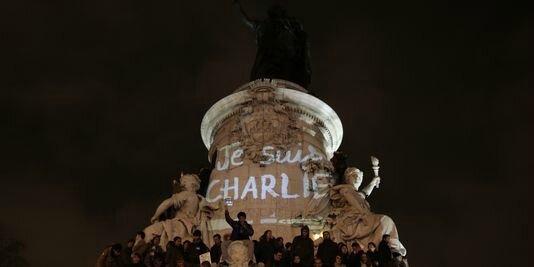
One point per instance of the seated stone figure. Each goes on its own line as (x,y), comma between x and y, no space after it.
(353,219)
(192,213)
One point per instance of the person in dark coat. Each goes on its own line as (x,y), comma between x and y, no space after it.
(287,256)
(266,247)
(140,245)
(364,260)
(280,244)
(216,250)
(157,261)
(196,248)
(136,261)
(343,252)
(174,251)
(302,246)
(276,260)
(110,257)
(384,251)
(296,262)
(241,230)
(354,256)
(327,250)
(127,251)
(372,254)
(398,260)
(317,262)
(154,251)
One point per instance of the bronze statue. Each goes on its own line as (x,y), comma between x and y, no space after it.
(283,49)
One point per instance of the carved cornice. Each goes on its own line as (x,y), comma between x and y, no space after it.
(275,96)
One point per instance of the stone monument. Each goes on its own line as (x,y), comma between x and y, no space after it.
(270,143)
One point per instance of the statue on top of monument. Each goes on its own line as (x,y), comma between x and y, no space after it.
(192,213)
(354,220)
(283,48)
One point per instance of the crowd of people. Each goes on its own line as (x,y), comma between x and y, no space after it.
(269,251)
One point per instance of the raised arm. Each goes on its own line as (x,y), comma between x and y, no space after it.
(229,219)
(369,188)
(166,204)
(250,23)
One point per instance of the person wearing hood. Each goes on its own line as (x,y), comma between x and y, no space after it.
(327,250)
(302,246)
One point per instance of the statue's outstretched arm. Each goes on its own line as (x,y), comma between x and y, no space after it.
(250,23)
(166,204)
(369,188)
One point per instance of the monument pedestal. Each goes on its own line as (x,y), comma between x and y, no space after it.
(270,143)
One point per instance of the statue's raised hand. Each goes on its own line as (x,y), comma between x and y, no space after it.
(154,219)
(375,182)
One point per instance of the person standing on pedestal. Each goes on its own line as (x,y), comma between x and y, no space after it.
(384,251)
(196,249)
(216,250)
(327,250)
(110,257)
(140,245)
(302,246)
(175,250)
(241,229)
(266,247)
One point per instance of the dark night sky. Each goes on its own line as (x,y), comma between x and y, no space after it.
(101,102)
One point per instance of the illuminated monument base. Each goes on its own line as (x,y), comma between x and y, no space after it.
(270,145)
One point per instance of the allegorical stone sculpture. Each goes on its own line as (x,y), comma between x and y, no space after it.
(283,49)
(238,253)
(353,219)
(192,213)
(319,206)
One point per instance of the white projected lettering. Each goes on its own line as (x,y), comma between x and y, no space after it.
(285,182)
(227,188)
(232,156)
(269,187)
(250,187)
(210,187)
(268,182)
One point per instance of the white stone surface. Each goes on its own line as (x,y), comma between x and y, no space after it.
(294,96)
